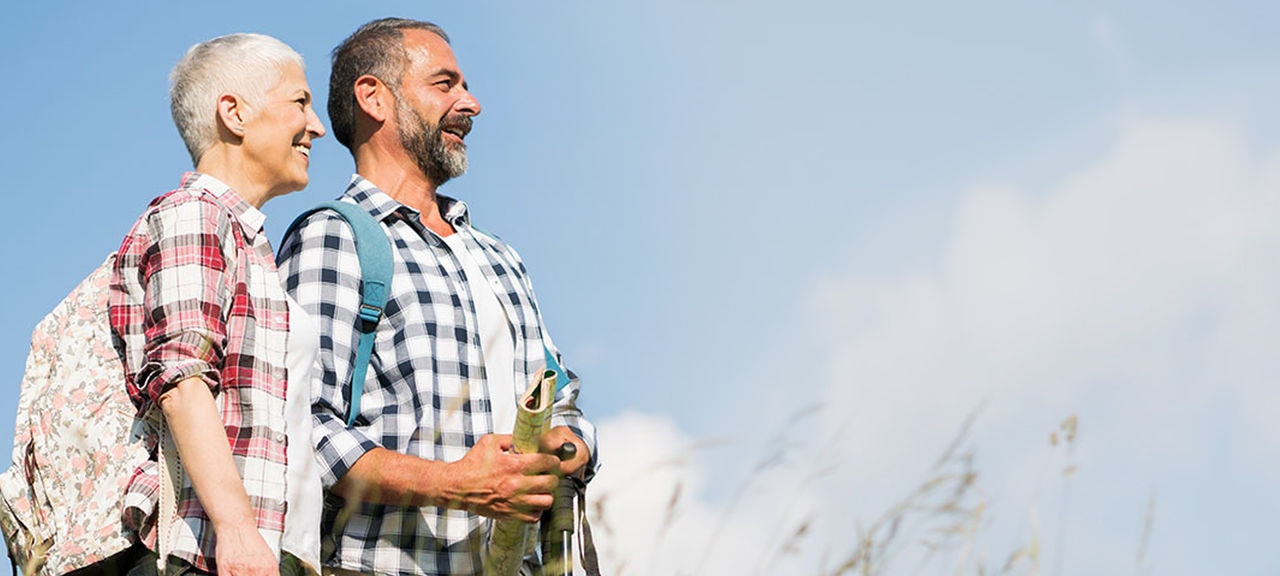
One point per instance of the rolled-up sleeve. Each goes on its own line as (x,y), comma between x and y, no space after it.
(323,275)
(565,412)
(174,287)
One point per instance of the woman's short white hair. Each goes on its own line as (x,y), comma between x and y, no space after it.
(247,65)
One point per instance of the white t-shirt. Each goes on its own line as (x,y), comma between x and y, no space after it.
(495,338)
(304,498)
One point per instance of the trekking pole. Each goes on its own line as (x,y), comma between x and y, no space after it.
(557,543)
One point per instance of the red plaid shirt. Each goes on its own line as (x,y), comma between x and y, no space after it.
(195,293)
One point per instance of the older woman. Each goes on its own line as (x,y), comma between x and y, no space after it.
(206,330)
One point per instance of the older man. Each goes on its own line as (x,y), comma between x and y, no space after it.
(413,482)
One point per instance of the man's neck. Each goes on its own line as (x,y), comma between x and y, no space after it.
(402,180)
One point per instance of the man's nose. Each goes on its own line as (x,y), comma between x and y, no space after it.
(468,104)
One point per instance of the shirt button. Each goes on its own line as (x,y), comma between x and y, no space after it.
(279,437)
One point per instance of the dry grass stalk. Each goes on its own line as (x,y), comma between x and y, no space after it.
(944,509)
(944,514)
(1069,428)
(821,468)
(779,446)
(1148,521)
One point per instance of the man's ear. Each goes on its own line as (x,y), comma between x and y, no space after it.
(373,97)
(232,114)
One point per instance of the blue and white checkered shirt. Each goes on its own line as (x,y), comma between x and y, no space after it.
(426,392)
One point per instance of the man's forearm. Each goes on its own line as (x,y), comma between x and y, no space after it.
(384,476)
(491,480)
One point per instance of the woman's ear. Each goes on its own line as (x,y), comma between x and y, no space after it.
(232,114)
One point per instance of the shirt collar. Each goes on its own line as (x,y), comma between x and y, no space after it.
(381,205)
(251,219)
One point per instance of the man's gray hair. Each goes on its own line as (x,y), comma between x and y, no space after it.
(376,49)
(247,65)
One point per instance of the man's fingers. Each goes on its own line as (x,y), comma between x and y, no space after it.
(536,464)
(538,502)
(545,484)
(538,476)
(527,506)
(551,442)
(502,442)
(578,462)
(519,486)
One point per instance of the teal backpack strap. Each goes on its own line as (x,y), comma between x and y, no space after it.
(562,379)
(374,253)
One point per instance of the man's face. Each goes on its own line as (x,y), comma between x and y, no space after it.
(434,108)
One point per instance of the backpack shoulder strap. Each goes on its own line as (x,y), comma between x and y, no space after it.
(374,253)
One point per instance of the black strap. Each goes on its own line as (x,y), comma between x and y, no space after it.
(586,544)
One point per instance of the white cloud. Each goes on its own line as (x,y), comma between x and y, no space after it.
(1139,293)
(652,515)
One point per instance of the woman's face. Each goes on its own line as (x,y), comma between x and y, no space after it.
(278,134)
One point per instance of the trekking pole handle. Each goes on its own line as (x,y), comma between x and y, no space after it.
(557,550)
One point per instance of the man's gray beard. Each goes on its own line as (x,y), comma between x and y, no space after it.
(438,160)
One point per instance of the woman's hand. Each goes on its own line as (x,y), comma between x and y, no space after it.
(193,419)
(241,551)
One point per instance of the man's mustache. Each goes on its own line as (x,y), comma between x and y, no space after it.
(457,123)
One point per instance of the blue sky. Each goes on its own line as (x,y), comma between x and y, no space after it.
(897,212)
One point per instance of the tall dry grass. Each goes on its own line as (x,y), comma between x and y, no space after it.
(935,526)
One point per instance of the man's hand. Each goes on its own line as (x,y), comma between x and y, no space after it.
(493,481)
(242,552)
(551,441)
